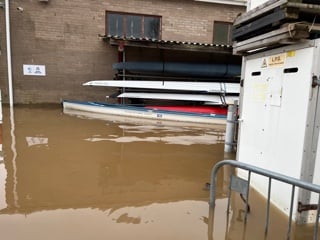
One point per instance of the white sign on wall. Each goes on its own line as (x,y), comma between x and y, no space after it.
(34,70)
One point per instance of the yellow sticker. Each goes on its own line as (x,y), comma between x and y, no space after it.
(277,60)
(260,92)
(291,53)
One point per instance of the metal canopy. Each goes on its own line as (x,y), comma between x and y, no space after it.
(168,44)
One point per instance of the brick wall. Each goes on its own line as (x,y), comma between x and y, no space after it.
(63,36)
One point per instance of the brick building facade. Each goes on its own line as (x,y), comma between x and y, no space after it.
(63,36)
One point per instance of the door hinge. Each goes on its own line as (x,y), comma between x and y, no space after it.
(315,81)
(241,82)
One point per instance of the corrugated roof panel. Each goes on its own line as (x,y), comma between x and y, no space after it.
(166,41)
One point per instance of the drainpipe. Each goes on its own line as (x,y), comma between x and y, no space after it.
(9,64)
(122,58)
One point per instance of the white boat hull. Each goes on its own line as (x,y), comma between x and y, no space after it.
(210,87)
(141,112)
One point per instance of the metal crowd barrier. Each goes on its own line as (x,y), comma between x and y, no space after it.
(242,186)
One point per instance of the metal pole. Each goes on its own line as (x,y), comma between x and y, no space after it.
(0,109)
(290,213)
(228,145)
(247,198)
(266,228)
(124,73)
(9,64)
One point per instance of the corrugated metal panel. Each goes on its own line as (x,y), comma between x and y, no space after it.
(173,42)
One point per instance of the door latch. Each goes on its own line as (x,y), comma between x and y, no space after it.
(306,207)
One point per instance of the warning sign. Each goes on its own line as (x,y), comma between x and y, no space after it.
(264,63)
(277,60)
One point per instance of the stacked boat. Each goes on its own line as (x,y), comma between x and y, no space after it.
(197,101)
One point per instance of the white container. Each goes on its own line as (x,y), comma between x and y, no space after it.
(279,120)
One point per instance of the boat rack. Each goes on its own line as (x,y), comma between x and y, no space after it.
(276,23)
(128,76)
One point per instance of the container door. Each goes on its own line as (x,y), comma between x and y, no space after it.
(273,116)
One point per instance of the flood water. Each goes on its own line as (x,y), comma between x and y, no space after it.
(68,177)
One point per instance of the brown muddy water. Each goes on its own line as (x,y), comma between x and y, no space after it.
(69,177)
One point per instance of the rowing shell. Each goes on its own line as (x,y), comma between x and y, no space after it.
(210,87)
(184,97)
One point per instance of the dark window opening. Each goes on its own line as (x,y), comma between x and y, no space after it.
(290,70)
(115,24)
(255,73)
(222,33)
(152,27)
(133,25)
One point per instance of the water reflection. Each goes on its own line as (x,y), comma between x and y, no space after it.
(3,176)
(146,222)
(65,176)
(167,135)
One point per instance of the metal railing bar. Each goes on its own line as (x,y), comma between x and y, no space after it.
(291,211)
(268,208)
(247,198)
(316,227)
(229,196)
(261,171)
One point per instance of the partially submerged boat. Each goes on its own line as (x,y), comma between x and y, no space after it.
(183,114)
